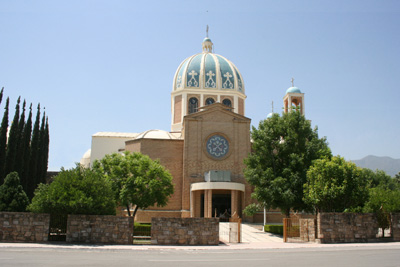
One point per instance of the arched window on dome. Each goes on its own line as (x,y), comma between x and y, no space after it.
(210,101)
(193,105)
(227,102)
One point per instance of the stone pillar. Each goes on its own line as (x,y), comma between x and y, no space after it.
(192,204)
(208,203)
(234,202)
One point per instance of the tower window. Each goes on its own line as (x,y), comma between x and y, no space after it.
(227,102)
(210,101)
(193,105)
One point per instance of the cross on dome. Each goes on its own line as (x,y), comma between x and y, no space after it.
(207,44)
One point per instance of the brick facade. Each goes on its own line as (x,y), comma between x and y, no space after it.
(185,231)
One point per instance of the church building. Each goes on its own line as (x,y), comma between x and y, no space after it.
(208,141)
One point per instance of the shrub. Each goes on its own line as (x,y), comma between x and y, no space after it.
(75,191)
(142,229)
(12,196)
(274,229)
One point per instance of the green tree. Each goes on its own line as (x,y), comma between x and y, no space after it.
(26,152)
(397,178)
(383,201)
(43,151)
(284,147)
(379,178)
(137,180)
(19,158)
(33,179)
(334,185)
(13,140)
(3,141)
(75,191)
(12,196)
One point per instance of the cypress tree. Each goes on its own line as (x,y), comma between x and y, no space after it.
(3,141)
(19,158)
(26,143)
(46,149)
(33,179)
(1,94)
(41,172)
(12,144)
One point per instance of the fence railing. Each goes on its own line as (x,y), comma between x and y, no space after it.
(291,228)
(58,227)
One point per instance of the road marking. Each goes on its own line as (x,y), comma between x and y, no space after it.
(209,260)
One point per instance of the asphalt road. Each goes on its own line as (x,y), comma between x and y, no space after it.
(355,256)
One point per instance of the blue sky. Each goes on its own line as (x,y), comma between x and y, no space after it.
(108,65)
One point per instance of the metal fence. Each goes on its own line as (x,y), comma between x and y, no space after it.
(291,228)
(58,227)
(142,234)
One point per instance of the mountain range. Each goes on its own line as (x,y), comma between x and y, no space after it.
(389,165)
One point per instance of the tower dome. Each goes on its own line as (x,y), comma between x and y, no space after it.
(293,89)
(208,71)
(203,79)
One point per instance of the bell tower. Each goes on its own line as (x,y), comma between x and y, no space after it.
(294,99)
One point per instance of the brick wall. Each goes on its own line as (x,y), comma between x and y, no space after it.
(346,227)
(185,231)
(24,227)
(103,229)
(396,226)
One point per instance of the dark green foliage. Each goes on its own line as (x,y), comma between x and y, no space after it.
(3,141)
(284,147)
(274,229)
(75,191)
(142,229)
(19,159)
(380,178)
(22,152)
(383,201)
(42,160)
(26,153)
(13,140)
(335,185)
(1,94)
(33,179)
(397,178)
(136,179)
(12,196)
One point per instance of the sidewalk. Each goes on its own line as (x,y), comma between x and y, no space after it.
(222,246)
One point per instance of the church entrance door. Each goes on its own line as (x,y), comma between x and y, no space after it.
(221,206)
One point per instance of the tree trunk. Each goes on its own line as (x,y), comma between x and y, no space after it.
(287,213)
(128,209)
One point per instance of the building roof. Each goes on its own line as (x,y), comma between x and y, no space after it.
(159,134)
(115,134)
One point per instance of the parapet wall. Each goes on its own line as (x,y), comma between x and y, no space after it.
(104,229)
(24,227)
(185,231)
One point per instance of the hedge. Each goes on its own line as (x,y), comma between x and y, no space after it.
(142,229)
(274,229)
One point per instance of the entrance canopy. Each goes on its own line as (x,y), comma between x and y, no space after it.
(217,185)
